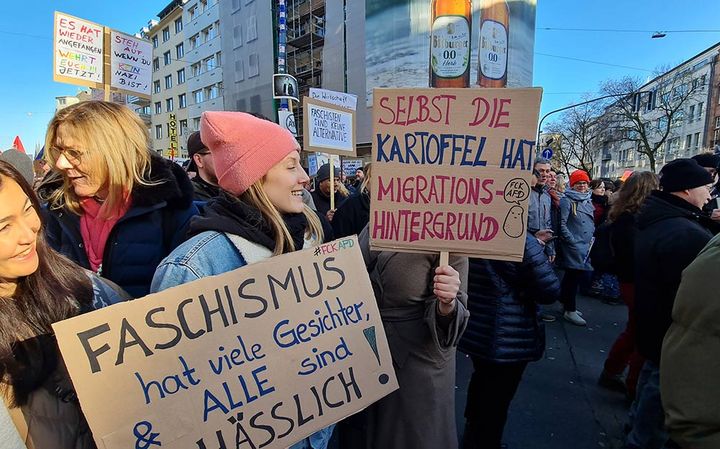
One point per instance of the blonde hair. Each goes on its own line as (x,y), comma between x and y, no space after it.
(255,196)
(367,171)
(114,145)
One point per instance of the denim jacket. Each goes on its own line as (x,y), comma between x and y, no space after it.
(211,253)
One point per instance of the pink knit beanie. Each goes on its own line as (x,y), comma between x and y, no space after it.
(243,147)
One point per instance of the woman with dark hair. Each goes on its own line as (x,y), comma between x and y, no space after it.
(118,208)
(628,201)
(599,201)
(39,287)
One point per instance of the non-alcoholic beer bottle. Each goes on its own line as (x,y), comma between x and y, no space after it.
(450,43)
(494,43)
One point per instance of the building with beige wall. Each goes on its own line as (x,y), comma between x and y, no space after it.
(169,102)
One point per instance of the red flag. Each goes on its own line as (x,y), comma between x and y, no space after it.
(17,144)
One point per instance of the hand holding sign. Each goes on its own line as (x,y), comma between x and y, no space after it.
(446,285)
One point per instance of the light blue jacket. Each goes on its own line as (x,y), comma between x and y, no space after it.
(540,215)
(576,231)
(211,253)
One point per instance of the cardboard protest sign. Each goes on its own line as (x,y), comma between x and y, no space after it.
(451,170)
(130,64)
(262,356)
(347,101)
(328,128)
(77,51)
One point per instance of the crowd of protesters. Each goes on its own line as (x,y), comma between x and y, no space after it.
(101,227)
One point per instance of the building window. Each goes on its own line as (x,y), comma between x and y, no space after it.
(166,58)
(239,72)
(156,64)
(210,63)
(213,91)
(155,42)
(196,124)
(183,127)
(178,25)
(169,105)
(198,96)
(696,142)
(209,33)
(158,132)
(203,5)
(193,12)
(195,41)
(235,5)
(182,101)
(691,113)
(195,69)
(168,82)
(717,122)
(181,76)
(700,110)
(237,36)
(166,34)
(156,86)
(688,142)
(158,108)
(180,50)
(251,29)
(253,65)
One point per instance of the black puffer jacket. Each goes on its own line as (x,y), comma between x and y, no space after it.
(502,299)
(671,233)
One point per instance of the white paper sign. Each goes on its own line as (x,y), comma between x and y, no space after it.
(130,63)
(286,119)
(342,99)
(330,128)
(78,51)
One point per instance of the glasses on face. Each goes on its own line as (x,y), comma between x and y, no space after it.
(72,155)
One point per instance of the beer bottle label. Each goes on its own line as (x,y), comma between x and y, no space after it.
(493,49)
(450,46)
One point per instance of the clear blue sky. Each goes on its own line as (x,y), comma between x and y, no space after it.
(28,92)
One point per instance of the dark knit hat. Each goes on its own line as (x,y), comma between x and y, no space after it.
(20,161)
(194,144)
(707,160)
(683,174)
(323,173)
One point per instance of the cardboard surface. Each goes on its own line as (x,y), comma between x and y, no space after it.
(328,128)
(268,353)
(77,51)
(451,170)
(130,64)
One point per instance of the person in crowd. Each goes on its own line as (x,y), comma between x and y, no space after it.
(354,214)
(599,201)
(689,370)
(259,212)
(117,208)
(622,215)
(710,162)
(503,335)
(555,190)
(21,162)
(539,219)
(40,168)
(671,233)
(576,228)
(205,182)
(602,285)
(423,309)
(39,287)
(321,194)
(359,178)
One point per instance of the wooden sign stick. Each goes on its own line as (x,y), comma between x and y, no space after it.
(444,258)
(332,182)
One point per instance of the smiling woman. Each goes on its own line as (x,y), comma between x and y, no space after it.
(259,212)
(39,287)
(112,193)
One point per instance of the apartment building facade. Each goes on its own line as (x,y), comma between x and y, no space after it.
(203,59)
(688,83)
(169,112)
(712,138)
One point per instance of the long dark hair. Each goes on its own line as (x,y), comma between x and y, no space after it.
(57,290)
(632,194)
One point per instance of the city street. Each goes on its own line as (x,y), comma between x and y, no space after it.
(559,404)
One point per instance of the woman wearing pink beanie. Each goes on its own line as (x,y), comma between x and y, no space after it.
(259,212)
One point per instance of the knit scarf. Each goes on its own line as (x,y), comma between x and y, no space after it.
(95,229)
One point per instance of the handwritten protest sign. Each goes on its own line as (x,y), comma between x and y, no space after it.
(328,128)
(451,170)
(347,101)
(262,356)
(77,51)
(130,63)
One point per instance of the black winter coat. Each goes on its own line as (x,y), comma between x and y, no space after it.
(352,217)
(155,224)
(623,232)
(671,233)
(502,298)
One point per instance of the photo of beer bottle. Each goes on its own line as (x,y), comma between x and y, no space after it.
(450,41)
(494,43)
